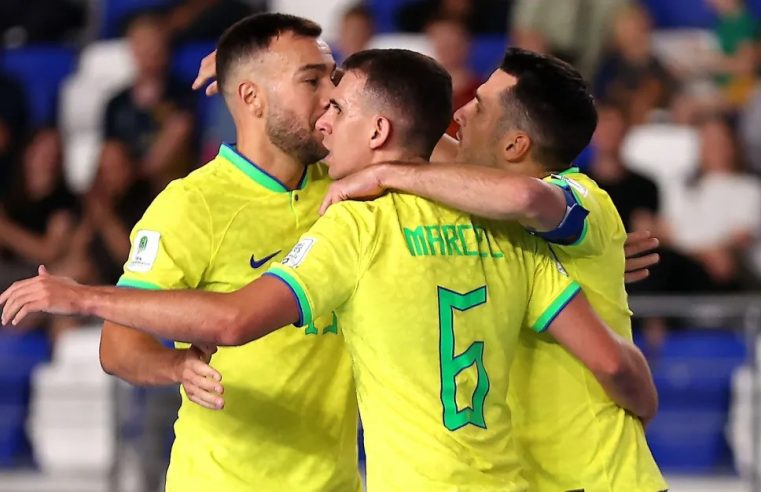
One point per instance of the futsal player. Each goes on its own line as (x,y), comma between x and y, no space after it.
(292,426)
(529,121)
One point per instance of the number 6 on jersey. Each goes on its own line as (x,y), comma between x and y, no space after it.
(451,364)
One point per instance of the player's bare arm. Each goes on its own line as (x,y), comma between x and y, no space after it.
(142,360)
(479,190)
(198,317)
(617,364)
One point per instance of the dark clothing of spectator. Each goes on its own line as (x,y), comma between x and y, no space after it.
(129,209)
(40,21)
(486,17)
(631,193)
(13,128)
(136,127)
(213,21)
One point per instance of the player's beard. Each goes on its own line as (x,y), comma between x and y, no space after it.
(284,131)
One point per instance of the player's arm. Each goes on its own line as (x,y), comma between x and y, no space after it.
(617,364)
(478,190)
(208,318)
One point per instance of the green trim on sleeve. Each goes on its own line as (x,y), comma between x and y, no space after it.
(560,302)
(305,310)
(137,284)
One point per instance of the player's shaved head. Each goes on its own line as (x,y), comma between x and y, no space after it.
(247,38)
(413,88)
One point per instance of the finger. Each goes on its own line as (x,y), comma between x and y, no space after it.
(642,246)
(633,264)
(204,399)
(205,370)
(326,203)
(212,89)
(23,312)
(206,384)
(635,236)
(16,304)
(42,271)
(633,277)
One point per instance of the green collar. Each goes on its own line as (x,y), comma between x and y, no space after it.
(570,170)
(256,173)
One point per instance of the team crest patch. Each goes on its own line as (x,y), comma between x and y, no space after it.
(299,252)
(145,249)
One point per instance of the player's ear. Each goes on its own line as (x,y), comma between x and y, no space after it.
(250,95)
(515,146)
(381,132)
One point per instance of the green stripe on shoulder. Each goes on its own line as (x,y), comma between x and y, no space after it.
(137,284)
(305,309)
(556,307)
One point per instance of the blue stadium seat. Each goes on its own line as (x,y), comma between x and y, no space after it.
(384,12)
(681,13)
(693,371)
(691,442)
(40,69)
(486,54)
(115,12)
(19,353)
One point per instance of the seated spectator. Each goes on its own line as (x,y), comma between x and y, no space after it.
(720,225)
(13,127)
(39,215)
(574,30)
(152,120)
(736,67)
(635,196)
(356,30)
(481,17)
(450,40)
(631,75)
(40,21)
(111,208)
(204,20)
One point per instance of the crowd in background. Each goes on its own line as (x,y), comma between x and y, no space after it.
(699,105)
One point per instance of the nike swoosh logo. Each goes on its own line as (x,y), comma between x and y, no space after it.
(256,264)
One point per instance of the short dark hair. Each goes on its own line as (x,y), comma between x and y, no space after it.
(413,85)
(550,101)
(249,35)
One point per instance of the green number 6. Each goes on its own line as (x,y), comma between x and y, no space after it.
(451,365)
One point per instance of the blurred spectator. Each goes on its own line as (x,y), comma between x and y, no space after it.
(39,215)
(737,66)
(356,31)
(13,127)
(111,208)
(720,225)
(481,16)
(450,40)
(204,20)
(750,123)
(40,21)
(635,196)
(574,30)
(152,120)
(631,75)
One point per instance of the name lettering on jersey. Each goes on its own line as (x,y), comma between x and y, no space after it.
(299,252)
(450,240)
(145,249)
(573,184)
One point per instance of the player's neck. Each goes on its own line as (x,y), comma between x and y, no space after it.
(396,155)
(257,148)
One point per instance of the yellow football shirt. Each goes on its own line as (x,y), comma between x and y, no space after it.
(572,435)
(290,415)
(430,302)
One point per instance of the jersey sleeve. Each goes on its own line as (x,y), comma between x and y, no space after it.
(551,290)
(172,242)
(325,266)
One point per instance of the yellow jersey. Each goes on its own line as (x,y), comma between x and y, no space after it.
(430,302)
(572,435)
(290,415)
